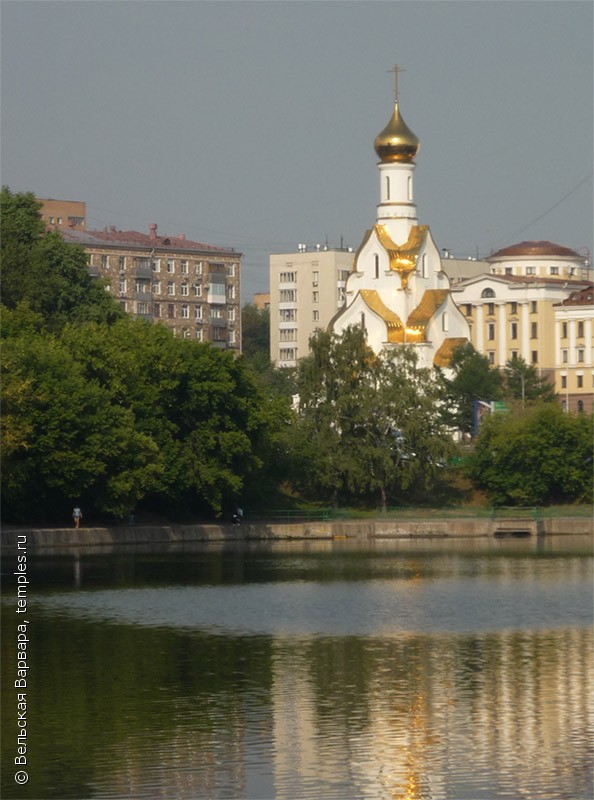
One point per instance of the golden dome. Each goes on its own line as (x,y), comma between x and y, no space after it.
(396,142)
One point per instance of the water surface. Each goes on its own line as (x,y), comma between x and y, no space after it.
(395,669)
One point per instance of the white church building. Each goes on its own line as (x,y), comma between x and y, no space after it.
(397,290)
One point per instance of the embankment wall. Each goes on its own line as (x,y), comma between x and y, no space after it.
(352,529)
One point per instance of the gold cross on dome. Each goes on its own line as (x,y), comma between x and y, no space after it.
(396,70)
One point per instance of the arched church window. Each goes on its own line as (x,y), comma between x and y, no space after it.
(488,293)
(376,265)
(444,321)
(409,186)
(387,187)
(363,320)
(424,265)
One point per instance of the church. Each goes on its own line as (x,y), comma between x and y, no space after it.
(397,291)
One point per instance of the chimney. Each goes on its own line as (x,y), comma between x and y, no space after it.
(153,230)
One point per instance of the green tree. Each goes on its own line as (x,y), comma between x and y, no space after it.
(522,382)
(537,456)
(42,271)
(255,331)
(368,426)
(472,378)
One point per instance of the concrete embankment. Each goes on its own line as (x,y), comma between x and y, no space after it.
(352,529)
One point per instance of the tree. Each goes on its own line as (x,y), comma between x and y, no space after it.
(473,378)
(522,382)
(42,271)
(537,456)
(255,331)
(368,426)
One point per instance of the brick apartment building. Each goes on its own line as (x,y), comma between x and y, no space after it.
(191,287)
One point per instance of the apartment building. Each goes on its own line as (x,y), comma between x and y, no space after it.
(306,291)
(574,346)
(191,287)
(64,213)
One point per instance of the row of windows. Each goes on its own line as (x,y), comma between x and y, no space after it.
(579,332)
(513,330)
(170,265)
(579,352)
(513,354)
(184,288)
(187,333)
(579,381)
(185,311)
(513,307)
(288,354)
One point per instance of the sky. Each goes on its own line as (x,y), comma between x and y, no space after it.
(251,124)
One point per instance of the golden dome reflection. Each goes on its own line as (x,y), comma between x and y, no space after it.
(396,142)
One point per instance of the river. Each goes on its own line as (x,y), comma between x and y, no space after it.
(429,669)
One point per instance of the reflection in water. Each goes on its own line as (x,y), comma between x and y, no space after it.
(139,693)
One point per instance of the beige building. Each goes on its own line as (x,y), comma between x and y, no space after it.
(516,316)
(542,259)
(574,345)
(191,287)
(306,290)
(64,213)
(262,301)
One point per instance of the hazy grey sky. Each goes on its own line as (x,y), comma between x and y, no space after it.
(251,124)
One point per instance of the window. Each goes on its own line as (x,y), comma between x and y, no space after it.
(315,296)
(410,188)
(491,357)
(288,314)
(533,306)
(376,266)
(185,312)
(184,267)
(513,308)
(468,309)
(104,262)
(122,262)
(554,270)
(564,356)
(185,333)
(444,321)
(156,310)
(580,381)
(514,354)
(580,330)
(387,187)
(287,277)
(156,265)
(288,334)
(171,311)
(315,277)
(287,295)
(564,330)
(124,305)
(288,353)
(170,287)
(197,312)
(170,266)
(514,330)
(141,307)
(185,289)
(316,316)
(52,220)
(156,287)
(231,315)
(122,286)
(230,292)
(488,292)
(140,286)
(491,331)
(580,355)
(231,337)
(216,313)
(535,356)
(230,270)
(491,308)
(564,381)
(198,267)
(199,335)
(534,330)
(509,271)
(197,287)
(530,270)
(580,406)
(424,265)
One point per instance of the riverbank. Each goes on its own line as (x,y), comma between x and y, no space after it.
(332,529)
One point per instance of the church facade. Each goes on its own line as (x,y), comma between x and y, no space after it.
(397,291)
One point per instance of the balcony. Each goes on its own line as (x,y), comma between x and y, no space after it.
(93,271)
(143,269)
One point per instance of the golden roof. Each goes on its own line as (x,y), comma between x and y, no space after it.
(421,315)
(403,258)
(393,322)
(396,142)
(443,357)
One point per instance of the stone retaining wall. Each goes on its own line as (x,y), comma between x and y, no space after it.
(373,529)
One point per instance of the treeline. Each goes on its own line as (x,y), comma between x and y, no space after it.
(118,415)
